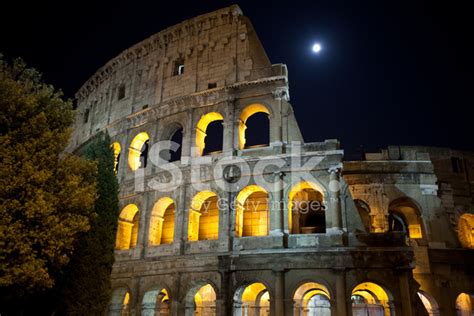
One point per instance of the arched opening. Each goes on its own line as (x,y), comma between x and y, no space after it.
(404,215)
(204,217)
(364,213)
(429,303)
(138,151)
(464,305)
(176,138)
(116,148)
(311,299)
(201,301)
(466,230)
(173,133)
(127,230)
(306,210)
(251,216)
(162,222)
(119,303)
(209,133)
(252,300)
(256,130)
(156,302)
(371,299)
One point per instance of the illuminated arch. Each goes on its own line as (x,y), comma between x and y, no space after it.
(246,113)
(464,305)
(201,128)
(162,222)
(253,299)
(119,302)
(201,300)
(117,149)
(409,213)
(136,158)
(370,296)
(156,302)
(306,198)
(203,217)
(312,298)
(127,230)
(251,218)
(429,303)
(466,230)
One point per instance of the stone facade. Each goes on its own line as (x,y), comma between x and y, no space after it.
(389,223)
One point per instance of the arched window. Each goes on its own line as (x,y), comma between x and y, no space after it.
(252,212)
(253,299)
(429,303)
(156,302)
(116,148)
(119,303)
(172,151)
(312,298)
(201,300)
(127,231)
(364,213)
(371,299)
(138,152)
(306,210)
(466,230)
(464,305)
(254,126)
(404,215)
(204,217)
(162,222)
(209,133)
(176,138)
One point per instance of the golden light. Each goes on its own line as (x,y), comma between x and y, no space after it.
(464,304)
(127,230)
(116,148)
(410,213)
(135,150)
(246,113)
(296,190)
(373,294)
(201,128)
(252,292)
(252,212)
(203,217)
(205,297)
(162,222)
(466,230)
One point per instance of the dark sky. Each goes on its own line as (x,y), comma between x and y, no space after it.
(391,72)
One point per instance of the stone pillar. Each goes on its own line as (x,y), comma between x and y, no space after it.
(405,293)
(279,293)
(187,141)
(229,129)
(180,222)
(276,210)
(341,293)
(335,198)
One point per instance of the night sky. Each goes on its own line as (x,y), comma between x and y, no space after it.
(390,72)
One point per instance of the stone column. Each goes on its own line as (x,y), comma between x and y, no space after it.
(229,129)
(180,221)
(279,293)
(341,293)
(335,198)
(276,210)
(405,293)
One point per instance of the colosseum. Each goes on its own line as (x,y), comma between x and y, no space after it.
(215,221)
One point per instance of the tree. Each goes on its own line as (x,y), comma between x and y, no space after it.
(87,289)
(46,195)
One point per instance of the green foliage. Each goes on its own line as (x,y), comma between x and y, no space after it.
(87,287)
(46,195)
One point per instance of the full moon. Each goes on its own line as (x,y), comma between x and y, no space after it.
(316,48)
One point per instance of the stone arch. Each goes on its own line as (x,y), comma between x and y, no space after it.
(404,211)
(311,298)
(364,213)
(246,113)
(464,305)
(162,222)
(305,208)
(204,217)
(120,302)
(252,299)
(173,132)
(251,216)
(201,129)
(429,303)
(117,149)
(201,299)
(369,297)
(156,301)
(466,230)
(138,151)
(128,225)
